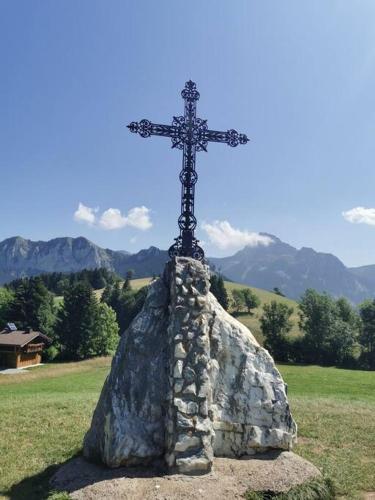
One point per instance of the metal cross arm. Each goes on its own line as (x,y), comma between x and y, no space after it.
(191,134)
(179,134)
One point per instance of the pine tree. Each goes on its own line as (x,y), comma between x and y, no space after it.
(33,306)
(218,289)
(76,325)
(106,295)
(6,299)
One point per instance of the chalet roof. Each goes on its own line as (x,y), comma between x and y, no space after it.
(20,337)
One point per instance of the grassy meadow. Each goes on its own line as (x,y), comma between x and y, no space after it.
(46,411)
(252,321)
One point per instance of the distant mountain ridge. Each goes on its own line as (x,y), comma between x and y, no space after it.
(20,257)
(276,265)
(292,271)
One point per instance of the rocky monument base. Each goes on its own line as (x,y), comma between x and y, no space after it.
(188,382)
(274,472)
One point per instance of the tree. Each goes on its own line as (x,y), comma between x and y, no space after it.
(105,337)
(341,343)
(275,325)
(126,287)
(277,291)
(251,301)
(6,298)
(97,279)
(238,300)
(77,322)
(33,306)
(330,328)
(125,302)
(367,335)
(106,295)
(317,317)
(219,290)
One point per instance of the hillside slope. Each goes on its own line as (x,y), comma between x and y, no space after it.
(251,321)
(365,274)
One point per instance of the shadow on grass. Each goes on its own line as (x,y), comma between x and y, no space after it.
(238,314)
(74,474)
(37,487)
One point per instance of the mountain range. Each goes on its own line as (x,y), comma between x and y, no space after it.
(278,264)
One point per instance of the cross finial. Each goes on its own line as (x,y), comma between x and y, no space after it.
(190,91)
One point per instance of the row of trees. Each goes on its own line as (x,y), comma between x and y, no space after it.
(80,325)
(333,332)
(58,283)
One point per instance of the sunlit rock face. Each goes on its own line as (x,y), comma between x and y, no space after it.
(188,382)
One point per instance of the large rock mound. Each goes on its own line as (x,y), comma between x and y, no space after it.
(188,382)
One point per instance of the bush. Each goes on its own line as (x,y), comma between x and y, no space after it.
(51,353)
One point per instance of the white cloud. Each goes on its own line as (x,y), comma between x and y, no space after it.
(225,236)
(360,215)
(112,218)
(85,214)
(139,217)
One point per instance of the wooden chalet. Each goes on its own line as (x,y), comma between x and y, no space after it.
(19,348)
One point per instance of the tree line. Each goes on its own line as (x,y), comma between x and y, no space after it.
(57,282)
(80,324)
(333,332)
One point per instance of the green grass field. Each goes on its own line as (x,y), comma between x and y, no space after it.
(46,411)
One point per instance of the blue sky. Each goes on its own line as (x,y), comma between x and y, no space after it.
(297,76)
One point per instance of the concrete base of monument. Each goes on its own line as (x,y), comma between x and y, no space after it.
(276,471)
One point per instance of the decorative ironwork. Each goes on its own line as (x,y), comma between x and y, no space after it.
(190,134)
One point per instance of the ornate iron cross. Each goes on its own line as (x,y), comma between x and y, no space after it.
(190,134)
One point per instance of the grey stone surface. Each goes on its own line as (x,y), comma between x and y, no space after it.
(188,382)
(229,479)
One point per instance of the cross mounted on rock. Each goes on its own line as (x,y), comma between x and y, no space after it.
(191,134)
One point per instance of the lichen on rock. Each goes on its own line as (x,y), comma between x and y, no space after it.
(188,382)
